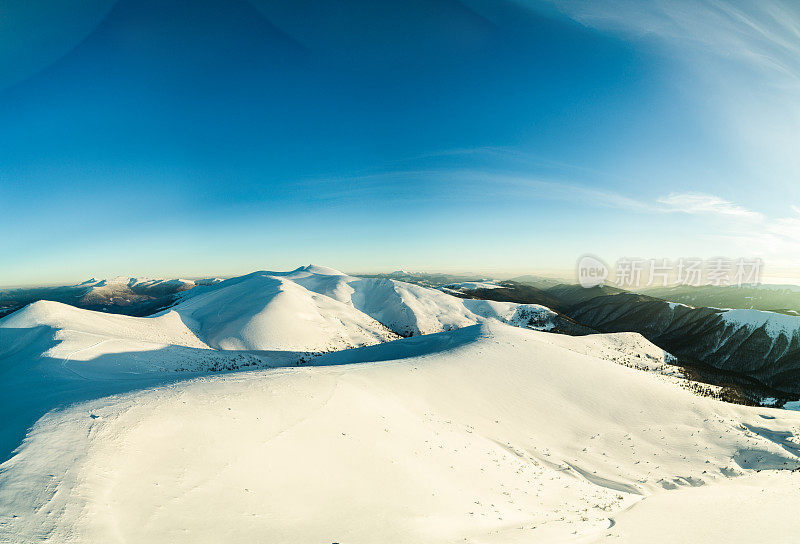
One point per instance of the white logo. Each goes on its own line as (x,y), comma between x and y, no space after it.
(591,271)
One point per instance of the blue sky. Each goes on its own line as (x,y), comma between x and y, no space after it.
(142,137)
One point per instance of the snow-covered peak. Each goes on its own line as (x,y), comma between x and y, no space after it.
(402,308)
(207,281)
(121,280)
(321,270)
(269,312)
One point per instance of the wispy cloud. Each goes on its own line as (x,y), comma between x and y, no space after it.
(699,203)
(762,35)
(744,54)
(751,231)
(471,183)
(787,227)
(777,238)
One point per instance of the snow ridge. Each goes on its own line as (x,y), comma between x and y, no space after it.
(774,324)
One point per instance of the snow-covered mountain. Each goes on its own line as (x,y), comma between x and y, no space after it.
(264,311)
(781,298)
(466,286)
(314,308)
(467,428)
(759,349)
(308,310)
(755,343)
(122,291)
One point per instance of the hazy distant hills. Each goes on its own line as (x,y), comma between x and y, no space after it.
(774,298)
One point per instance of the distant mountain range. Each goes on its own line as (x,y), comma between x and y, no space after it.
(774,298)
(130,296)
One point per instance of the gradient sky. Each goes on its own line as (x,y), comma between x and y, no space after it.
(177,137)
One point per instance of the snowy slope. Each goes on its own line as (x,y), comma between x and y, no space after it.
(311,308)
(485,434)
(71,323)
(60,338)
(482,433)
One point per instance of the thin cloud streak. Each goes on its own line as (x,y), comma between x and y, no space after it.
(746,228)
(699,203)
(762,35)
(744,54)
(471,183)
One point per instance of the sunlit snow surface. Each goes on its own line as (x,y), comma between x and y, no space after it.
(469,430)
